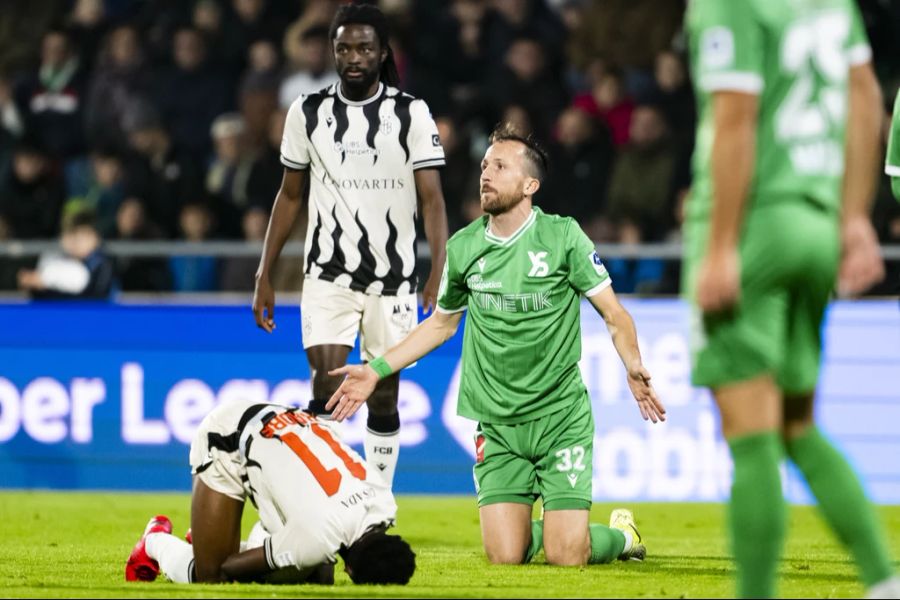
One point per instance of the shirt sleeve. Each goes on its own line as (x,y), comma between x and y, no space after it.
(587,275)
(453,295)
(727,45)
(892,162)
(858,50)
(425,143)
(294,142)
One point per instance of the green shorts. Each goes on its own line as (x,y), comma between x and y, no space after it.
(789,260)
(550,457)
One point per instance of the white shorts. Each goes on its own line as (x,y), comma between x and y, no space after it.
(332,314)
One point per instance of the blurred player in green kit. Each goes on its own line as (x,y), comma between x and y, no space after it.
(892,162)
(784,175)
(521,274)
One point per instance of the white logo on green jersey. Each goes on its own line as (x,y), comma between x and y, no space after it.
(481,263)
(514,303)
(717,48)
(539,268)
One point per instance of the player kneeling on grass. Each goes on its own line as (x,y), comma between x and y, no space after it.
(521,275)
(315,496)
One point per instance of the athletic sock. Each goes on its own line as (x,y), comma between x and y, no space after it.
(175,556)
(757,513)
(382,443)
(843,503)
(537,540)
(607,544)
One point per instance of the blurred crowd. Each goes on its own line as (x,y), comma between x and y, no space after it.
(162,119)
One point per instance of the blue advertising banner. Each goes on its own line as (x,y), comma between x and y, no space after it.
(105,396)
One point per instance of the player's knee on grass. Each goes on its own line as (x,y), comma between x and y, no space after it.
(567,551)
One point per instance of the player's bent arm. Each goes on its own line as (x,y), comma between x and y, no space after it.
(287,206)
(733,162)
(895,187)
(434,216)
(620,325)
(861,156)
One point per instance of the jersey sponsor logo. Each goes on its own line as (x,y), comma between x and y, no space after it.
(355,148)
(376,183)
(475,282)
(514,303)
(539,267)
(717,48)
(357,497)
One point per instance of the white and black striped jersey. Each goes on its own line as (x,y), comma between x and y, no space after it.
(362,200)
(314,493)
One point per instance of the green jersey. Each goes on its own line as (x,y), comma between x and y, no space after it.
(796,56)
(892,161)
(522,340)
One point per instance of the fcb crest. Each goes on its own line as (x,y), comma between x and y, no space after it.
(386,126)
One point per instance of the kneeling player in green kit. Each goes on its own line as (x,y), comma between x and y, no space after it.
(521,274)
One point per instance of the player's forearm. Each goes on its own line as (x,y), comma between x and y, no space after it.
(895,187)
(425,337)
(284,214)
(733,161)
(624,337)
(862,148)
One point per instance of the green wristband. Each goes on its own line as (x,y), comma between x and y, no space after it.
(381,367)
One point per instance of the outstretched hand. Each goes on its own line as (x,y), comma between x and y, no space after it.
(359,383)
(651,407)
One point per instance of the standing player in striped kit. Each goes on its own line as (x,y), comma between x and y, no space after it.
(368,153)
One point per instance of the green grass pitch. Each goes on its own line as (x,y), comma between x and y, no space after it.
(56,545)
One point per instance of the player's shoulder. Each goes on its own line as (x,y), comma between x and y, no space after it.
(472,232)
(312,98)
(405,98)
(559,224)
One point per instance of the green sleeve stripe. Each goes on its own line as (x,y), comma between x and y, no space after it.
(892,170)
(599,287)
(859,54)
(739,81)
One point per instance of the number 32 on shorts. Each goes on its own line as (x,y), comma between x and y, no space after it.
(570,459)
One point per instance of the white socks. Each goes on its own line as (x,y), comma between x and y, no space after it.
(175,556)
(381,453)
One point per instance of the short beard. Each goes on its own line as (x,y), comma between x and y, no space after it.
(358,88)
(500,203)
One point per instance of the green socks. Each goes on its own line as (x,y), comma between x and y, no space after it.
(607,544)
(537,540)
(843,503)
(757,513)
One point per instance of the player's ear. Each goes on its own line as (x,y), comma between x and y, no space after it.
(532,185)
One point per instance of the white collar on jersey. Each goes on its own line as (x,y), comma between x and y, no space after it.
(368,100)
(506,241)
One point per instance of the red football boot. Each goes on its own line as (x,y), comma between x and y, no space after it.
(141,567)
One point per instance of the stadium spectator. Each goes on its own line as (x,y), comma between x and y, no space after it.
(766,241)
(32,197)
(82,270)
(311,64)
(87,23)
(258,100)
(162,175)
(51,99)
(460,170)
(203,94)
(581,159)
(139,273)
(104,192)
(229,173)
(121,79)
(365,185)
(273,455)
(237,273)
(520,378)
(195,272)
(608,102)
(640,191)
(265,173)
(528,80)
(674,96)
